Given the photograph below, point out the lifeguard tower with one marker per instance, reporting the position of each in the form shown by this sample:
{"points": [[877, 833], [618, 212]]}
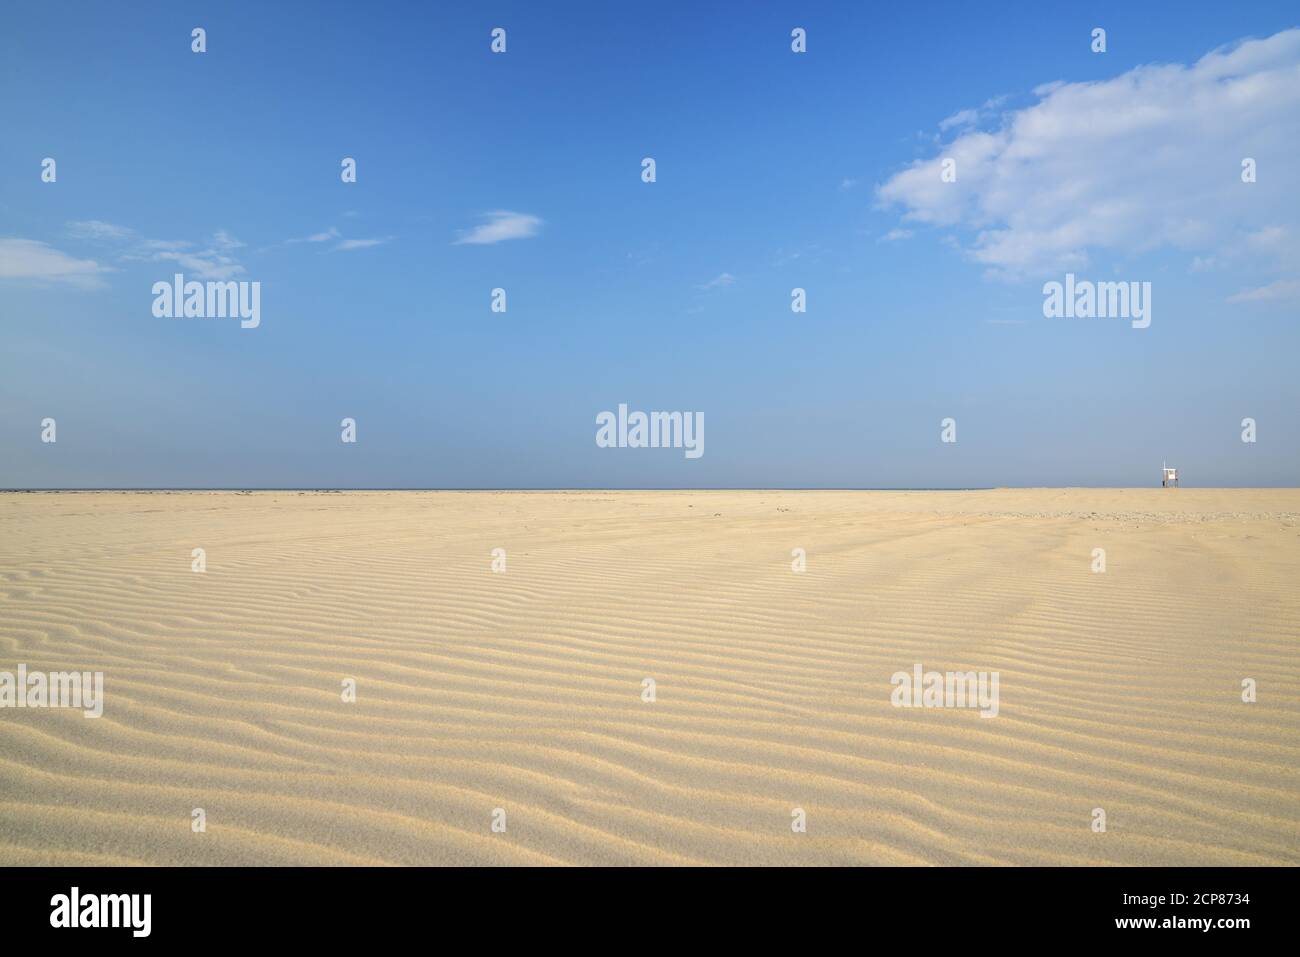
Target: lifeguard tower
{"points": [[1168, 477]]}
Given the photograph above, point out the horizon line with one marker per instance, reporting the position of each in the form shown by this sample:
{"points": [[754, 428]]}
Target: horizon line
{"points": [[605, 488]]}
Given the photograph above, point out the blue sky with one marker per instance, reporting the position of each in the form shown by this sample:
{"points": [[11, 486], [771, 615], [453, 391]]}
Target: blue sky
{"points": [[774, 170]]}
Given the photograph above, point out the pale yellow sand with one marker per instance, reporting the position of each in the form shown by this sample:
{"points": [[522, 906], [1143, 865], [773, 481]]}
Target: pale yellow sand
{"points": [[522, 690]]}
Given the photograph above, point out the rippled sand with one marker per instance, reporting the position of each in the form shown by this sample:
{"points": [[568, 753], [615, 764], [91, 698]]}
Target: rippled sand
{"points": [[523, 690]]}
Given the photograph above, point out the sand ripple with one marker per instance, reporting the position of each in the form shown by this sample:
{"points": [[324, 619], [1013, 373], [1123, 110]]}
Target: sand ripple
{"points": [[522, 690]]}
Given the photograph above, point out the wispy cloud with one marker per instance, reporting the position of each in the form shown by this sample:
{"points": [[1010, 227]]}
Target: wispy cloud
{"points": [[331, 234], [960, 118], [967, 118], [1034, 199], [211, 262], [811, 252], [204, 263], [361, 243], [33, 259], [95, 229], [500, 225], [212, 259], [1284, 290], [720, 281], [321, 237], [894, 235]]}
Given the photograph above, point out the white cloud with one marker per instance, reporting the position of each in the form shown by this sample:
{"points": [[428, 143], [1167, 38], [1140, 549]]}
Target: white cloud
{"points": [[721, 280], [501, 224], [811, 252], [205, 263], [32, 259], [965, 118], [223, 240], [1284, 290], [1149, 159], [894, 235], [331, 234], [212, 261], [153, 245], [321, 237], [95, 229], [960, 118], [361, 243], [848, 183]]}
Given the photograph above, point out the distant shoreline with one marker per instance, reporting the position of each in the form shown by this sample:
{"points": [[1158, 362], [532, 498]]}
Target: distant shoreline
{"points": [[558, 488], [628, 488]]}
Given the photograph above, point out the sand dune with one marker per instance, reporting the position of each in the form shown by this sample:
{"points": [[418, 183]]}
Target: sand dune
{"points": [[522, 690]]}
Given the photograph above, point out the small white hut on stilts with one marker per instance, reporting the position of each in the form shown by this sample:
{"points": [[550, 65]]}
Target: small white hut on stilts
{"points": [[1169, 476]]}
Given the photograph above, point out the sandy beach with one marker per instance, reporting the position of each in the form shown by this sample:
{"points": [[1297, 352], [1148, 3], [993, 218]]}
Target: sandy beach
{"points": [[517, 696]]}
